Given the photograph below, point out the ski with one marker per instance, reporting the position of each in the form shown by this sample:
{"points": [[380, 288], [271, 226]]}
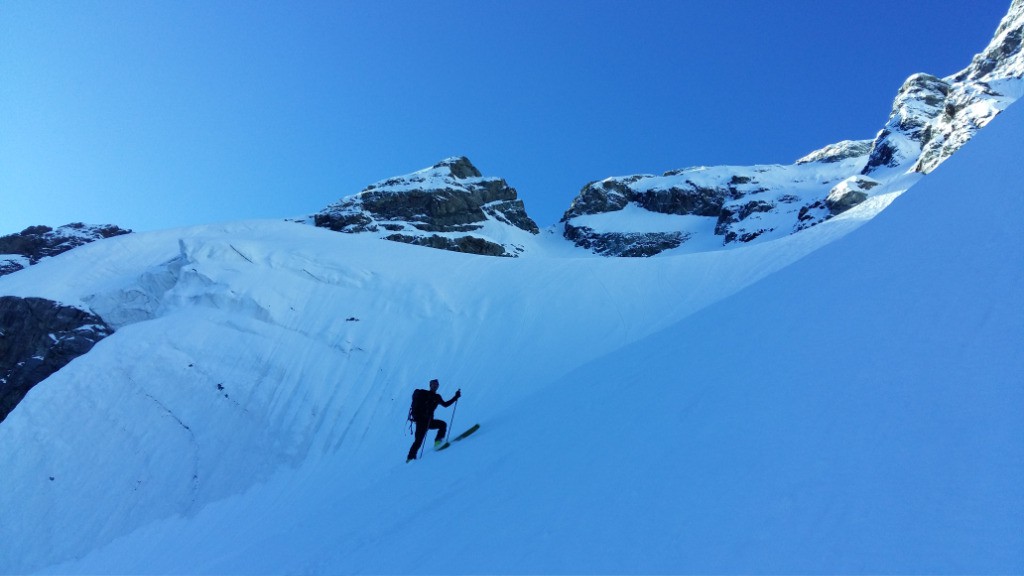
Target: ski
{"points": [[474, 428]]}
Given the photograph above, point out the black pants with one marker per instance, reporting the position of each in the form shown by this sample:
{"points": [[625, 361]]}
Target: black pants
{"points": [[421, 432]]}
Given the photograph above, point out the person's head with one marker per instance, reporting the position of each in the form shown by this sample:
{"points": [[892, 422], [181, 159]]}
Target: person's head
{"points": [[434, 384]]}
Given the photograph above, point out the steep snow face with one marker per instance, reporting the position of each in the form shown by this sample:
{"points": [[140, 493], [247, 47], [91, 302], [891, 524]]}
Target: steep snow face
{"points": [[449, 205], [931, 118], [248, 350], [858, 411]]}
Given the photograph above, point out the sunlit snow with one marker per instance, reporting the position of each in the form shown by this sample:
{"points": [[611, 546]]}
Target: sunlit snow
{"points": [[843, 399]]}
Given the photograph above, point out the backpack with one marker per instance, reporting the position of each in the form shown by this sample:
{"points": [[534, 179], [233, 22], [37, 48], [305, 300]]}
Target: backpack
{"points": [[420, 409]]}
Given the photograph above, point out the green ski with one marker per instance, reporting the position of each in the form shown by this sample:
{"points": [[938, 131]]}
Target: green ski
{"points": [[474, 428]]}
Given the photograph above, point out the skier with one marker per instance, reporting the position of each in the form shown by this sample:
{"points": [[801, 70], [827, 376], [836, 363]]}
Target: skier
{"points": [[424, 402]]}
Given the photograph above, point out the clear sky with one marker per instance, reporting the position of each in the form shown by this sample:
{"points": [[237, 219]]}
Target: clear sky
{"points": [[154, 115]]}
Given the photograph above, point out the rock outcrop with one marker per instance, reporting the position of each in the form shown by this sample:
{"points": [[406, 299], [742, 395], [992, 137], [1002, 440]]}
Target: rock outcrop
{"points": [[979, 92], [626, 244], [37, 338], [838, 152], [450, 205], [849, 193], [919, 101], [707, 206], [28, 247]]}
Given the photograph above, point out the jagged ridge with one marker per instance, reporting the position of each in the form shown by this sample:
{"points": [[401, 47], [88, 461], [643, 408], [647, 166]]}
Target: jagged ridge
{"points": [[931, 119]]}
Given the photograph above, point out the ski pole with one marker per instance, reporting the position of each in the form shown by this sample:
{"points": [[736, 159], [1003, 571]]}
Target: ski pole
{"points": [[448, 435]]}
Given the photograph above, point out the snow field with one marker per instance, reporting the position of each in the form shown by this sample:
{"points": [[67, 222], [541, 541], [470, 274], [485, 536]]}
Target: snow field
{"points": [[751, 410]]}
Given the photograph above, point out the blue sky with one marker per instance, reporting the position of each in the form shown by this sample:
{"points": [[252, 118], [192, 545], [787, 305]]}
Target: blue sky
{"points": [[153, 115]]}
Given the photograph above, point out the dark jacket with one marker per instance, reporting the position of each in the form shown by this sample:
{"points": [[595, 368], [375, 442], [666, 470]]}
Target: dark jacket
{"points": [[424, 402]]}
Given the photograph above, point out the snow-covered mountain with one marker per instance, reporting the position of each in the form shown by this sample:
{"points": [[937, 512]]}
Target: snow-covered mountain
{"points": [[705, 208], [450, 206], [232, 398], [453, 207], [855, 410]]}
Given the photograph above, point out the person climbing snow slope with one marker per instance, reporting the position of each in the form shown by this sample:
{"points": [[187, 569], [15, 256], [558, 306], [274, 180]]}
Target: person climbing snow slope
{"points": [[421, 413]]}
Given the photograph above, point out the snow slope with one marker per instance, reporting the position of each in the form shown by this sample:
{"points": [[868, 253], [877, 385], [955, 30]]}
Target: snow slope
{"points": [[250, 348], [857, 410]]}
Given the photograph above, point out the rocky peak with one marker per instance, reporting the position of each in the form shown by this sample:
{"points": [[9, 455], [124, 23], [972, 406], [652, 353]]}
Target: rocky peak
{"points": [[918, 102], [993, 81], [1002, 58], [450, 205], [932, 118], [459, 167]]}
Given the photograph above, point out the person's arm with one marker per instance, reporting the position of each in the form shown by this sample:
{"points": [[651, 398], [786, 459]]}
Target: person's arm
{"points": [[454, 399]]}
